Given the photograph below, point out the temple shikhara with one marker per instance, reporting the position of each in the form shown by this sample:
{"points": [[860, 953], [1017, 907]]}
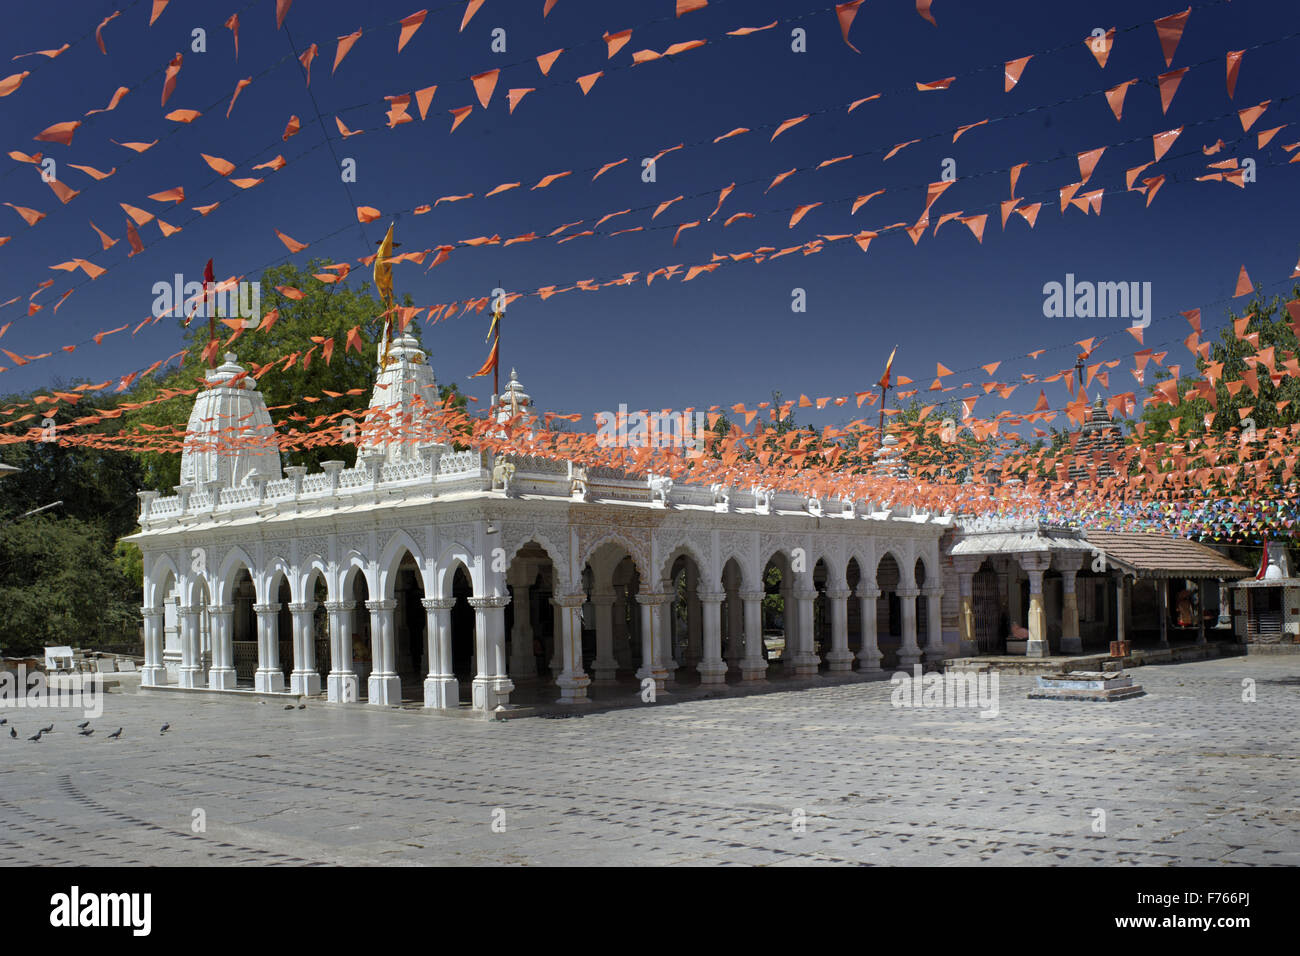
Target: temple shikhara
{"points": [[455, 576]]}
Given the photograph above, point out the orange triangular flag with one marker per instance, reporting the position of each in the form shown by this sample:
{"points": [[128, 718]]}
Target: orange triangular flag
{"points": [[1244, 285], [484, 84], [1115, 97], [547, 60], [409, 26], [1234, 66], [1169, 86], [1012, 71], [845, 12], [1170, 31]]}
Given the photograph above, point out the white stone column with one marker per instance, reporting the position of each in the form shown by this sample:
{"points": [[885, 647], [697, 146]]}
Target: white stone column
{"points": [[805, 659], [557, 638], [933, 624], [304, 678], [1071, 640], [839, 658], [754, 665], [652, 638], [966, 567], [694, 628], [268, 679], [341, 686], [190, 673], [605, 665], [869, 652], [384, 686], [790, 622], [667, 641], [1035, 565], [221, 676], [712, 668], [735, 626], [154, 674], [441, 688], [491, 688], [623, 652], [909, 654], [523, 662], [573, 680], [1121, 608]]}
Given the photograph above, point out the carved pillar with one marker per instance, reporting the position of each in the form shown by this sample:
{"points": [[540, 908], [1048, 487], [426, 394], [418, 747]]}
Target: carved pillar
{"points": [[341, 683], [523, 662], [840, 658], [934, 624], [154, 673], [789, 622], [869, 653], [557, 640], [1069, 565], [667, 642], [967, 645], [491, 688], [304, 678], [1121, 607], [190, 674], [1035, 565], [221, 676], [805, 660], [384, 686], [652, 638], [441, 688], [623, 653], [909, 654], [754, 664], [694, 629], [712, 668], [606, 664], [269, 678], [735, 623], [573, 680], [1225, 607]]}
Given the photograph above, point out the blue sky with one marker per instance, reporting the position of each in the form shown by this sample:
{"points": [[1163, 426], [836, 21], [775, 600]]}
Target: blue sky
{"points": [[724, 337]]}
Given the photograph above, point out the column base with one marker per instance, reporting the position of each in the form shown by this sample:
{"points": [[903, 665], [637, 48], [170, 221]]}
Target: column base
{"points": [[342, 687], [712, 672], [909, 657], [657, 674], [190, 677], [869, 660], [384, 689], [753, 670], [840, 660], [934, 655], [268, 681], [523, 666], [804, 665], [1071, 645], [155, 676], [442, 692], [604, 671], [573, 689], [967, 649], [1037, 649], [306, 683], [489, 693], [222, 678]]}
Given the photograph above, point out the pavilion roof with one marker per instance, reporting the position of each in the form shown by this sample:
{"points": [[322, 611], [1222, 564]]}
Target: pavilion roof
{"points": [[1148, 555]]}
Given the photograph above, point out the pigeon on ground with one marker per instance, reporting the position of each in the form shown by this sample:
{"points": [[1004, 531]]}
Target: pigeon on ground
{"points": [[48, 730], [165, 728], [288, 706], [3, 721], [117, 733], [83, 725], [302, 706], [13, 733], [87, 732], [37, 738]]}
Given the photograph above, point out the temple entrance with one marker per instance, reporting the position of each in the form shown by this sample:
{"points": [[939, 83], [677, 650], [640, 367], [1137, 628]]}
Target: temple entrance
{"points": [[462, 633], [411, 625], [987, 604]]}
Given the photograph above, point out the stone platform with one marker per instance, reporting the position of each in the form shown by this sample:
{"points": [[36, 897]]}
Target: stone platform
{"points": [[1086, 685]]}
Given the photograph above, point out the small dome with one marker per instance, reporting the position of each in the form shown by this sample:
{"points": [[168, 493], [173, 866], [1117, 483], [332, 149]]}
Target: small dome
{"points": [[230, 437], [400, 418]]}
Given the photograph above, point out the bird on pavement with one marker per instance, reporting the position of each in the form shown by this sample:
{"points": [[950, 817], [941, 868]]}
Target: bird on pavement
{"points": [[3, 721], [87, 732], [48, 730], [83, 725], [165, 728], [37, 738], [288, 706], [13, 733], [302, 706], [117, 733]]}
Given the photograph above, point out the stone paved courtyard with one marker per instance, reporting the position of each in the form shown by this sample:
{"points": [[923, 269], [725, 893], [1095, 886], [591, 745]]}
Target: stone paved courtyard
{"points": [[1189, 774]]}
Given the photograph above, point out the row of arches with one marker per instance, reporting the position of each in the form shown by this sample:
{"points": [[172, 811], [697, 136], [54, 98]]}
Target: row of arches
{"points": [[464, 628]]}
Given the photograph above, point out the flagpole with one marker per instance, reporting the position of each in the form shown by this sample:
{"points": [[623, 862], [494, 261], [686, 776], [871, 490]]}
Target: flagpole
{"points": [[499, 308], [884, 393]]}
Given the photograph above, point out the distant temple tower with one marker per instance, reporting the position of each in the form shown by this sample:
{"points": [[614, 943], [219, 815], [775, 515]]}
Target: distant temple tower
{"points": [[230, 438], [514, 400], [402, 403], [1098, 437]]}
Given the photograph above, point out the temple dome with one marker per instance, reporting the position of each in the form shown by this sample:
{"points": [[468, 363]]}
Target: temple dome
{"points": [[230, 438], [514, 400], [400, 417]]}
